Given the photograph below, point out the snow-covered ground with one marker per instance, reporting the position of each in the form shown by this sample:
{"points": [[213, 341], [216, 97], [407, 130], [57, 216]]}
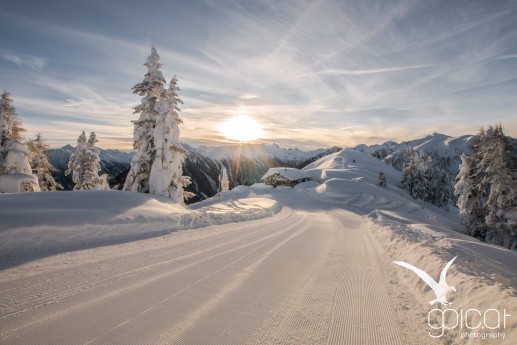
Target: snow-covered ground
{"points": [[262, 265], [36, 225]]}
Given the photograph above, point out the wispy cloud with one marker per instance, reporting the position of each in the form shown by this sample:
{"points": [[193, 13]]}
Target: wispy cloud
{"points": [[509, 56], [25, 60], [369, 71], [314, 74]]}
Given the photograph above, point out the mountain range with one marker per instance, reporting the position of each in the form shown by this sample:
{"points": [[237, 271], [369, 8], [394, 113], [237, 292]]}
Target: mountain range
{"points": [[245, 164], [445, 150]]}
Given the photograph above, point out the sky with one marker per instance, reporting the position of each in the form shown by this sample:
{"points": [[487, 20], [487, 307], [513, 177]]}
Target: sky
{"points": [[311, 73]]}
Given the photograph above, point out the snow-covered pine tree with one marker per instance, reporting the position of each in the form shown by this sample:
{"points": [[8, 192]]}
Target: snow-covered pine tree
{"points": [[442, 189], [10, 126], [438, 190], [409, 171], [500, 170], [76, 163], [470, 197], [84, 165], [152, 88], [13, 152], [40, 165], [414, 180], [224, 183], [101, 182], [382, 179], [166, 177], [425, 180]]}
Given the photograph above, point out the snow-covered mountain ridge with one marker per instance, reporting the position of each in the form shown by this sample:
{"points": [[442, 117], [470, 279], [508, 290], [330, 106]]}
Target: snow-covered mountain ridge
{"points": [[444, 145], [245, 164], [292, 156]]}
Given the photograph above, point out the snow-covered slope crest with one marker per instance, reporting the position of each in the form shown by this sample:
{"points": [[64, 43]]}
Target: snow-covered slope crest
{"points": [[351, 163], [40, 224]]}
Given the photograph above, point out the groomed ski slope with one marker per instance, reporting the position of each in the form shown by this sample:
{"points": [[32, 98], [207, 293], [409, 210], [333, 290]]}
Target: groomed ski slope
{"points": [[299, 277], [316, 268]]}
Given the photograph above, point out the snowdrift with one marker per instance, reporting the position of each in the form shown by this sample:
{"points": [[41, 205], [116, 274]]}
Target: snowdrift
{"points": [[18, 183], [73, 208], [36, 225]]}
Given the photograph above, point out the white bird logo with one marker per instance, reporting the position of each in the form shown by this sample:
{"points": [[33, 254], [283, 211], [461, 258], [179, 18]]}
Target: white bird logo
{"points": [[440, 289]]}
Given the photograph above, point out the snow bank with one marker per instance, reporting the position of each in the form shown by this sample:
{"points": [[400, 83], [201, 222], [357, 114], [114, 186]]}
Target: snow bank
{"points": [[480, 271], [35, 225], [484, 275], [18, 183], [71, 208]]}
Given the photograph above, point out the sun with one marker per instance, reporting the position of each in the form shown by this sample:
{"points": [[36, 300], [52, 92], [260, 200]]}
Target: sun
{"points": [[241, 128]]}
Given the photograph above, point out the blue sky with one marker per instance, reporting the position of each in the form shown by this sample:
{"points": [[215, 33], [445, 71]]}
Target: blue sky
{"points": [[314, 73]]}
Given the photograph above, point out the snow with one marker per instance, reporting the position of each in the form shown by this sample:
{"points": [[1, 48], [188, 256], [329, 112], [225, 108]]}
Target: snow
{"points": [[39, 224], [292, 174], [349, 164], [13, 183], [304, 265]]}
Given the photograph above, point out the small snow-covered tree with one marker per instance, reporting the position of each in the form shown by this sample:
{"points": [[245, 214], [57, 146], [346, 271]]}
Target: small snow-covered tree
{"points": [[76, 163], [13, 152], [100, 181], [40, 165], [413, 180], [84, 165], [166, 177], [224, 183], [10, 126], [152, 89], [382, 179]]}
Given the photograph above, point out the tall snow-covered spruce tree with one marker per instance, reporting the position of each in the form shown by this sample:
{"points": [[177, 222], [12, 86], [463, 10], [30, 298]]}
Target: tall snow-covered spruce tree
{"points": [[38, 160], [166, 177], [157, 165], [487, 188], [499, 165], [152, 89], [84, 165]]}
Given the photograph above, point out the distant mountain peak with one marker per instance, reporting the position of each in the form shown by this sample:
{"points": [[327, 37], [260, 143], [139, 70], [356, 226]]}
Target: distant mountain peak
{"points": [[438, 135]]}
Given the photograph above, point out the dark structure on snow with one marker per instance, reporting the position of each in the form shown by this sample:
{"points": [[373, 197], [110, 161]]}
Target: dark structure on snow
{"points": [[285, 177]]}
